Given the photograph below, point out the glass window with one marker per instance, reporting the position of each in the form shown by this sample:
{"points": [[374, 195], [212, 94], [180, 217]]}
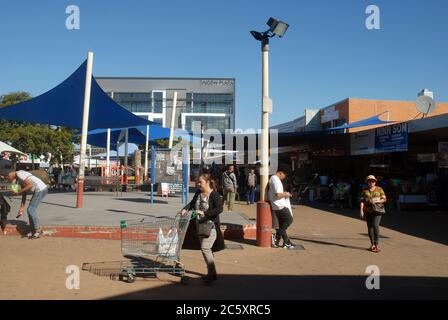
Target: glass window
{"points": [[209, 103], [134, 102], [158, 120], [189, 102], [219, 123], [158, 102]]}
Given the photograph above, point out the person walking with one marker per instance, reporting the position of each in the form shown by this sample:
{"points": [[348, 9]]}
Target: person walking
{"points": [[281, 207], [207, 203], [230, 186], [29, 182], [371, 210], [4, 210], [251, 185]]}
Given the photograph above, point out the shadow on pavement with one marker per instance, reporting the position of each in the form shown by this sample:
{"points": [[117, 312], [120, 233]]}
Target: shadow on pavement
{"points": [[328, 243], [422, 224], [294, 287], [140, 200], [21, 226], [59, 205], [133, 213]]}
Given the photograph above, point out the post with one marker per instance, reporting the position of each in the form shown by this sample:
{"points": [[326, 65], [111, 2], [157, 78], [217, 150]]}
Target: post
{"points": [[186, 165], [173, 117], [108, 154], [85, 127], [264, 170], [145, 174], [153, 172], [90, 157], [126, 157], [264, 217]]}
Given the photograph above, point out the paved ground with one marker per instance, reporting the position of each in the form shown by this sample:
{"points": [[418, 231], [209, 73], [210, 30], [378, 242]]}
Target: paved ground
{"points": [[107, 209], [413, 263]]}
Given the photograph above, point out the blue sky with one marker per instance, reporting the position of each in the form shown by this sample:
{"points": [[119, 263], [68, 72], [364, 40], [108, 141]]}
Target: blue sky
{"points": [[326, 55]]}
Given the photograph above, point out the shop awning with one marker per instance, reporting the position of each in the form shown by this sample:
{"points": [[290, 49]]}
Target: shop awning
{"points": [[372, 121], [4, 147], [63, 106]]}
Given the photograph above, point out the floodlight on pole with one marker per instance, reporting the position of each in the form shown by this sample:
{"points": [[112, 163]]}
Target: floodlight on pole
{"points": [[264, 223], [277, 27]]}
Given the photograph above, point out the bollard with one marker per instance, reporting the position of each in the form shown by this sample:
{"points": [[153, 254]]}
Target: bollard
{"points": [[264, 224]]}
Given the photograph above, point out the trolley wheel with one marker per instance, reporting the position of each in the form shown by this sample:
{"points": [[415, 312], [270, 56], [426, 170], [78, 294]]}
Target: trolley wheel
{"points": [[130, 278], [184, 280]]}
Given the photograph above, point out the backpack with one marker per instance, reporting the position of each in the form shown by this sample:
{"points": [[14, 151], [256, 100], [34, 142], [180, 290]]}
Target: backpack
{"points": [[42, 175]]}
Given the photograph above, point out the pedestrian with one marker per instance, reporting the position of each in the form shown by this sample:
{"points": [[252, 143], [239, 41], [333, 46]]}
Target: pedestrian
{"points": [[371, 209], [207, 203], [230, 186], [251, 185], [281, 207], [29, 182], [4, 210]]}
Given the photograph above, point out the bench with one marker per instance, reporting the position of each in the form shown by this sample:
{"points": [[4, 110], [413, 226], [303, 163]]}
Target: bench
{"points": [[96, 183]]}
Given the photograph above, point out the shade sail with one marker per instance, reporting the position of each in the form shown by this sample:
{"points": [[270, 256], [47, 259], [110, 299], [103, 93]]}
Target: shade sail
{"points": [[98, 137], [372, 121], [63, 106]]}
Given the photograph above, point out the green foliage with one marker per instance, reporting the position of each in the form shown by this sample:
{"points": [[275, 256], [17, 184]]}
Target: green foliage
{"points": [[13, 98]]}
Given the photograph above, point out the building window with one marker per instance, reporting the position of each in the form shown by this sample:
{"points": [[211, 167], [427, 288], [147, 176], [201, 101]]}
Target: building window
{"points": [[158, 101], [209, 103], [219, 123], [134, 102]]}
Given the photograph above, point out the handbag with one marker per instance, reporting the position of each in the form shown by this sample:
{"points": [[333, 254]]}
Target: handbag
{"points": [[204, 228], [378, 208]]}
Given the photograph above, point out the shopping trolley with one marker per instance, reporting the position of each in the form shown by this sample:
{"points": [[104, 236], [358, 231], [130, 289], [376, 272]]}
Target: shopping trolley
{"points": [[154, 244]]}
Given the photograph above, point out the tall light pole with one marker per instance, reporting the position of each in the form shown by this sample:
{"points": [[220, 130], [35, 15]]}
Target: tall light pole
{"points": [[276, 28], [264, 222]]}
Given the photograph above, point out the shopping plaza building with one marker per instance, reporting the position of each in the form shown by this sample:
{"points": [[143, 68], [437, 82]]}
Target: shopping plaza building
{"points": [[412, 148], [210, 101]]}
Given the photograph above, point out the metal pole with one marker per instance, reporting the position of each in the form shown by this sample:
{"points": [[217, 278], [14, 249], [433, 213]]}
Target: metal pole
{"points": [[126, 158], [145, 174], [153, 172], [85, 127], [108, 146], [173, 117], [186, 164], [264, 170], [90, 157], [108, 154]]}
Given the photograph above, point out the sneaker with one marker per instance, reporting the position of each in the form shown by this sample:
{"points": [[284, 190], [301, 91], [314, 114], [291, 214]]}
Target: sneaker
{"points": [[289, 245], [36, 235], [208, 279], [275, 242]]}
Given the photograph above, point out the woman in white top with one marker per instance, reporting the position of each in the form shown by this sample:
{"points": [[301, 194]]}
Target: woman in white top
{"points": [[28, 182]]}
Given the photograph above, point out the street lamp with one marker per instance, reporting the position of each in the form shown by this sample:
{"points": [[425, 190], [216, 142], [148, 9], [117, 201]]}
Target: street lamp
{"points": [[276, 28], [264, 222]]}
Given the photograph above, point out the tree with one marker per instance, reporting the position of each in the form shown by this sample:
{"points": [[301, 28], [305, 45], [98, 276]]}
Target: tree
{"points": [[13, 98]]}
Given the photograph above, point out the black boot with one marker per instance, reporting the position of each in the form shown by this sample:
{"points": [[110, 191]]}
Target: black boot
{"points": [[210, 278]]}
